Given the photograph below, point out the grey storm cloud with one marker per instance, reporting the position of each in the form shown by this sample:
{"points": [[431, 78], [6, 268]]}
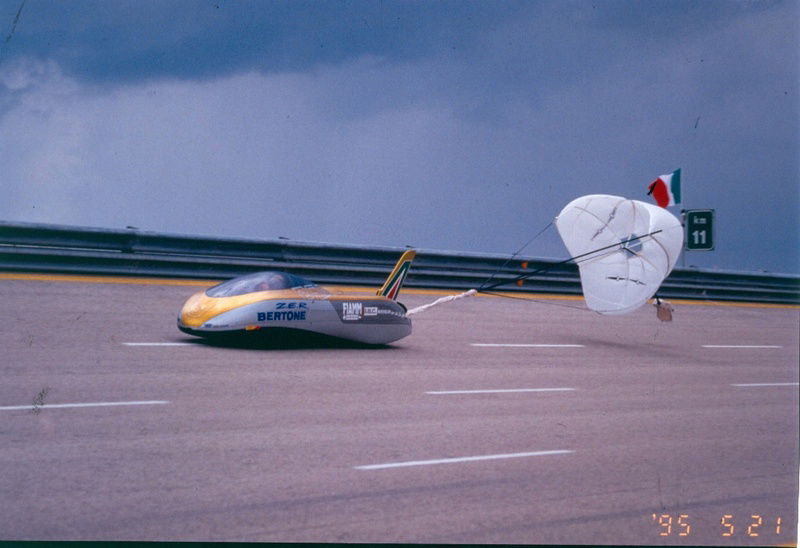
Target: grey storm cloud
{"points": [[462, 126]]}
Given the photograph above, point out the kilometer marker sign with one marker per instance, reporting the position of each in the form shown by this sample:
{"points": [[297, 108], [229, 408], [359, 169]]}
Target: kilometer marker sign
{"points": [[699, 229]]}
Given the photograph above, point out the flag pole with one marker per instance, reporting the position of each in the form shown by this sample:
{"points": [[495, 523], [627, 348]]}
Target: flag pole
{"points": [[683, 225]]}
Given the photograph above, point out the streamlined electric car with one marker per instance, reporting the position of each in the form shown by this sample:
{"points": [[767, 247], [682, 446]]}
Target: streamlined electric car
{"points": [[274, 302]]}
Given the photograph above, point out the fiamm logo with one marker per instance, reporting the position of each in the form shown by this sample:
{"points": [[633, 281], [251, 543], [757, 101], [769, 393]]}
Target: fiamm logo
{"points": [[352, 311]]}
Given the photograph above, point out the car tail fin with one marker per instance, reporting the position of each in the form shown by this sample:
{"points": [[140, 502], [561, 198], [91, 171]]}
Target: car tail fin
{"points": [[391, 288]]}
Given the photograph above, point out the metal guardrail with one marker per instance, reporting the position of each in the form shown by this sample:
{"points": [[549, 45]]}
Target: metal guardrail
{"points": [[53, 248]]}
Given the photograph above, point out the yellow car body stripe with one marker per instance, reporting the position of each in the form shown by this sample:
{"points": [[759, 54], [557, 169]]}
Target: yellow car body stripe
{"points": [[200, 307]]}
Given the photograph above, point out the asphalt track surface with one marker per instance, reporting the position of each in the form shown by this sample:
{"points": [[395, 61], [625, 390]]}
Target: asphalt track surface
{"points": [[657, 431]]}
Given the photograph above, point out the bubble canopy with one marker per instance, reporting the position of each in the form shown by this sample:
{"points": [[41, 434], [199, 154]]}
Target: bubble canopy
{"points": [[258, 281]]}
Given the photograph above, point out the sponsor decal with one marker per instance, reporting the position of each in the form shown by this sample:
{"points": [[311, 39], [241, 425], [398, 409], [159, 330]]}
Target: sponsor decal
{"points": [[290, 306], [283, 316], [352, 311], [369, 312], [285, 312]]}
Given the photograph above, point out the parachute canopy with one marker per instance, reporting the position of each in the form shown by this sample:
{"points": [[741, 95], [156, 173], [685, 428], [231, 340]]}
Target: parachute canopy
{"points": [[624, 249]]}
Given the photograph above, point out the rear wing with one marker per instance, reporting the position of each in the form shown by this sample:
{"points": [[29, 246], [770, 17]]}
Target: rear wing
{"points": [[391, 288]]}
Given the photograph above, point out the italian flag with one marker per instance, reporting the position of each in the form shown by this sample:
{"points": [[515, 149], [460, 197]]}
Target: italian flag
{"points": [[667, 189]]}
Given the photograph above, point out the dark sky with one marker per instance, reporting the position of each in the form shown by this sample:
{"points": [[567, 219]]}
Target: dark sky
{"points": [[463, 126]]}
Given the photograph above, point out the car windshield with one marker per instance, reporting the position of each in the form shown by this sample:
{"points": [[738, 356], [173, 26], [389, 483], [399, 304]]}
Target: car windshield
{"points": [[258, 281]]}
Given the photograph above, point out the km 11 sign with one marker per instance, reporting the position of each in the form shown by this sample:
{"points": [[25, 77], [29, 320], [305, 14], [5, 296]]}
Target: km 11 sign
{"points": [[699, 229]]}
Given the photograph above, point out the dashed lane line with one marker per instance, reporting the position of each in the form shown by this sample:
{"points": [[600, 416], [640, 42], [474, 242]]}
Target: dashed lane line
{"points": [[762, 384], [461, 459], [158, 344], [742, 346], [76, 405], [499, 391], [526, 345], [555, 345]]}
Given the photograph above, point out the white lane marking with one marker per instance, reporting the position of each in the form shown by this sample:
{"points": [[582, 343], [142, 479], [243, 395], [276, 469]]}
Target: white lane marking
{"points": [[754, 384], [500, 391], [68, 405], [157, 344], [514, 345], [741, 346], [461, 459]]}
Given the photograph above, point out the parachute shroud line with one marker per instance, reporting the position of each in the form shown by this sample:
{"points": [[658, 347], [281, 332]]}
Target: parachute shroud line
{"points": [[442, 300]]}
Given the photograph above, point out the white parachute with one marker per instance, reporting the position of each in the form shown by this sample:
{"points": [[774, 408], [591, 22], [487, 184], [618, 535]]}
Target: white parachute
{"points": [[624, 249]]}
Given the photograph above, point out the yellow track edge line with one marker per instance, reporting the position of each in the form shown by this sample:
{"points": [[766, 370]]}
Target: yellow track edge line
{"points": [[91, 278], [98, 279]]}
